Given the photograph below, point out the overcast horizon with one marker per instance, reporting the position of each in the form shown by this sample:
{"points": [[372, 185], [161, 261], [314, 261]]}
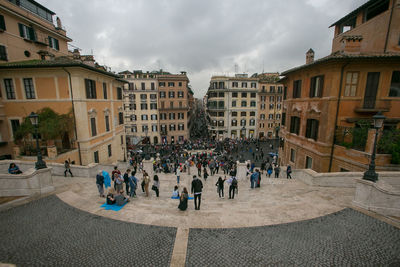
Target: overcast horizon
{"points": [[203, 38]]}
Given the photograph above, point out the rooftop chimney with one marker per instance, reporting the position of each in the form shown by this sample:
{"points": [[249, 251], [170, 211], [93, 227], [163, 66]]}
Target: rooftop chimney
{"points": [[310, 56], [76, 54]]}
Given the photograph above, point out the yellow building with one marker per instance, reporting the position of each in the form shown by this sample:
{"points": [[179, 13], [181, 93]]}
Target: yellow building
{"points": [[27, 32], [63, 84]]}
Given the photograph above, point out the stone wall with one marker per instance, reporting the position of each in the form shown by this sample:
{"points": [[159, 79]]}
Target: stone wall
{"points": [[29, 183]]}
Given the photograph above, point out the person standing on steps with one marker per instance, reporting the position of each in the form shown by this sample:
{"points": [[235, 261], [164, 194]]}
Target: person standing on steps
{"points": [[233, 185], [126, 180], [288, 172], [178, 174], [197, 187], [277, 170], [100, 183], [220, 186]]}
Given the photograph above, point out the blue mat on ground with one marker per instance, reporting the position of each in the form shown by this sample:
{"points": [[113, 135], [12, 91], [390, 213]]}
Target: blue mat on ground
{"points": [[113, 207], [179, 197]]}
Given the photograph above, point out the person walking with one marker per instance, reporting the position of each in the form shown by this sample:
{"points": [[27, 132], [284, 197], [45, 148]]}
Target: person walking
{"points": [[100, 183], [198, 168], [253, 179], [113, 176], [178, 174], [220, 186], [197, 187], [133, 185], [259, 178], [233, 185], [67, 166], [156, 185], [146, 182], [269, 170], [288, 172], [277, 170], [126, 180], [205, 174]]}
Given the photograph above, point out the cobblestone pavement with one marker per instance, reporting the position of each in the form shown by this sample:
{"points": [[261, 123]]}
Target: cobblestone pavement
{"points": [[48, 232], [345, 238]]}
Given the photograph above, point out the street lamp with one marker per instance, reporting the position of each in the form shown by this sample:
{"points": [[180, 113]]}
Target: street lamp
{"points": [[40, 164], [370, 174]]}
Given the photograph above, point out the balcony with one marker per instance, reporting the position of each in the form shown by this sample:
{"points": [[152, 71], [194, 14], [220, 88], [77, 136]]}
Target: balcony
{"points": [[373, 106], [216, 108], [174, 108]]}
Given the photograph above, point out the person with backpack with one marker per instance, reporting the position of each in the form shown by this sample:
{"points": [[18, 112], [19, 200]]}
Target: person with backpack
{"points": [[133, 184], [254, 179], [288, 172], [269, 170], [233, 185]]}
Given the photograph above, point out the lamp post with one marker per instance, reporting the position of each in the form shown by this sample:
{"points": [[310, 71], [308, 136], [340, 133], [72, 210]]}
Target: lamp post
{"points": [[40, 164], [370, 174]]}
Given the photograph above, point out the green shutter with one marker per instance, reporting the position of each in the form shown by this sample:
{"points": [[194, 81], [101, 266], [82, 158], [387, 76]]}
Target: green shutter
{"points": [[49, 41], [21, 30], [32, 35], [57, 47], [2, 23]]}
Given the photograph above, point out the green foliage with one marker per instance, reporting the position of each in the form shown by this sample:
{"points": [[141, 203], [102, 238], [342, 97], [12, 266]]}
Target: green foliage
{"points": [[51, 125], [389, 143]]}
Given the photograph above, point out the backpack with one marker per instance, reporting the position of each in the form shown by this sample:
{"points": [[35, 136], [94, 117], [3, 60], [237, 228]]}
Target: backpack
{"points": [[234, 182]]}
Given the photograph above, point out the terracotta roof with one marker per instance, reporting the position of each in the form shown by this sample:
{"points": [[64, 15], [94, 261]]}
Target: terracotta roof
{"points": [[56, 63], [339, 56]]}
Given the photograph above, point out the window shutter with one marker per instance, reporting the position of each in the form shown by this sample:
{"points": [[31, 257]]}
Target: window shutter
{"points": [[57, 46], [21, 30], [312, 87], [32, 35], [87, 88], [2, 23], [3, 52], [49, 38], [308, 128], [316, 129], [321, 86]]}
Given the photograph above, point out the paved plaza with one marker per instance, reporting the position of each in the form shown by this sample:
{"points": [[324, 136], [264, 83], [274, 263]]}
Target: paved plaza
{"points": [[285, 222]]}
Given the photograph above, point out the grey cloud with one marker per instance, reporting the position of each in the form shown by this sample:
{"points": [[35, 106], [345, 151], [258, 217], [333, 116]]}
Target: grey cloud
{"points": [[202, 37]]}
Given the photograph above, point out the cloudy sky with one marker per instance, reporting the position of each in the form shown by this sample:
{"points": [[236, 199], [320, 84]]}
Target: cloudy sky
{"points": [[202, 37]]}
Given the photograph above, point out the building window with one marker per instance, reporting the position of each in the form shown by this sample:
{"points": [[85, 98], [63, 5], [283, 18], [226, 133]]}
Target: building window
{"points": [[295, 125], [153, 106], [252, 113], [312, 129], [172, 116], [14, 126], [153, 96], [181, 104], [152, 86], [395, 84], [143, 86], [181, 116], [26, 32], [244, 104], [53, 43], [316, 86], [161, 84], [90, 86], [278, 106], [180, 94], [254, 85], [280, 89], [252, 103], [181, 127], [234, 94], [234, 114], [252, 122], [270, 116], [143, 106], [262, 106], [351, 84], [180, 84], [234, 103], [262, 117], [131, 86], [171, 104], [244, 85], [279, 99], [292, 155], [244, 94], [297, 89], [243, 114], [96, 157], [283, 119], [93, 126], [271, 99], [271, 106], [162, 94], [3, 53], [171, 84], [107, 120], [133, 117], [172, 127], [154, 128], [120, 118], [109, 150], [163, 116], [9, 86], [119, 93], [284, 93], [2, 23], [234, 123], [132, 106], [143, 96], [105, 90], [171, 94], [242, 122], [134, 129], [145, 129], [29, 89], [153, 117], [221, 94], [144, 117], [235, 84], [253, 95], [308, 162]]}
